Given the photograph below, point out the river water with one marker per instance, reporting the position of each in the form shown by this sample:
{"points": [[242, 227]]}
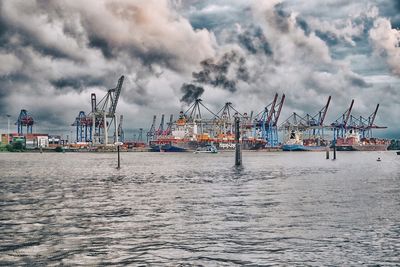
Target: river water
{"points": [[189, 209]]}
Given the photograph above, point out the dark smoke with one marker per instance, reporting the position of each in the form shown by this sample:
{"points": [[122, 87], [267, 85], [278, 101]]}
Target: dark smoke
{"points": [[215, 73], [254, 40], [281, 18], [191, 92]]}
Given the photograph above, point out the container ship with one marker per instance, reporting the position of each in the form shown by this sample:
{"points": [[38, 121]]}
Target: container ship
{"points": [[311, 126], [191, 131], [185, 145], [183, 136], [295, 142], [353, 142]]}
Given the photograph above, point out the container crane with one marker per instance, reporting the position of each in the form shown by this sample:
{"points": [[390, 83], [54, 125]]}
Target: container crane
{"points": [[316, 122], [365, 125], [312, 125], [140, 137], [168, 131], [105, 109], [24, 120], [83, 125], [266, 121], [194, 117], [152, 132], [278, 113], [224, 119], [340, 124], [160, 129]]}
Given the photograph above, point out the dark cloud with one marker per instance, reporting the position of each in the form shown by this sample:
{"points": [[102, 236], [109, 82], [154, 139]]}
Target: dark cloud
{"points": [[97, 42], [397, 4], [281, 18], [328, 37], [254, 40], [191, 92], [216, 73], [358, 82], [303, 25], [79, 83], [135, 92]]}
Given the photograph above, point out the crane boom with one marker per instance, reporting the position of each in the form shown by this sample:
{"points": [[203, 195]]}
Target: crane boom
{"points": [[272, 111], [324, 111], [373, 116], [160, 129], [117, 92], [278, 113], [347, 116]]}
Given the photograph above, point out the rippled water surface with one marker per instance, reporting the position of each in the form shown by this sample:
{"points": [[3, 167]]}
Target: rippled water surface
{"points": [[188, 209]]}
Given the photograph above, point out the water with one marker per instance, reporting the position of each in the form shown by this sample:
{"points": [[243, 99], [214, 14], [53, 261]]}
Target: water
{"points": [[188, 209]]}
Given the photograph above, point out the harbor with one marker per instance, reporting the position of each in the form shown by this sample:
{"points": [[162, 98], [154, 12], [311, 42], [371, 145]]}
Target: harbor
{"points": [[199, 133], [199, 127]]}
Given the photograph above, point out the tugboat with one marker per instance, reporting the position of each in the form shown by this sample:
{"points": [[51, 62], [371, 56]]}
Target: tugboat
{"points": [[206, 149]]}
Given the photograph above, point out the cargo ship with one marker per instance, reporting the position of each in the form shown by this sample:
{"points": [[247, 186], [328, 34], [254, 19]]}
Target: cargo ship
{"points": [[184, 136], [353, 142], [295, 142], [186, 145]]}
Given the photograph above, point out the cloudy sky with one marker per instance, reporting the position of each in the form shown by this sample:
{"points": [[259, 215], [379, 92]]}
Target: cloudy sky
{"points": [[54, 54]]}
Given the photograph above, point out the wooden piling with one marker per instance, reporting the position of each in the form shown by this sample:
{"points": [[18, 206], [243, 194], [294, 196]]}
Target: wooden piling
{"points": [[238, 151]]}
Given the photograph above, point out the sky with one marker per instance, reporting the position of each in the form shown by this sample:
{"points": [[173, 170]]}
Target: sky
{"points": [[54, 54]]}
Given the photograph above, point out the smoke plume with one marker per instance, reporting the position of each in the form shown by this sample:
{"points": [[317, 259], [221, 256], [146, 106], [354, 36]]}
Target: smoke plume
{"points": [[191, 92]]}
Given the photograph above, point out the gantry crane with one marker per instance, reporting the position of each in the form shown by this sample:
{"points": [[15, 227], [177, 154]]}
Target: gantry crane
{"points": [[83, 125], [160, 129], [266, 121], [168, 130], [103, 111], [365, 125], [152, 132], [340, 125], [24, 119]]}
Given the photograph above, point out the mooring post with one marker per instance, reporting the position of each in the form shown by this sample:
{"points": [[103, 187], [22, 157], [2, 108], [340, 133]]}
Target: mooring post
{"points": [[334, 149], [238, 152], [327, 152], [119, 158]]}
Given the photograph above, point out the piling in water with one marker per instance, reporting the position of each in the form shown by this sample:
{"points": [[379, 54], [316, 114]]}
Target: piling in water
{"points": [[334, 151], [119, 159], [238, 152]]}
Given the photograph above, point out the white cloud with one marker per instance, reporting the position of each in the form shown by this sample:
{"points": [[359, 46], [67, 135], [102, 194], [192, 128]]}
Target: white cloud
{"points": [[9, 64], [386, 42]]}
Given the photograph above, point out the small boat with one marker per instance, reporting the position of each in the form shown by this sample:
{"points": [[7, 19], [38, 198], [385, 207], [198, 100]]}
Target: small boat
{"points": [[206, 149]]}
